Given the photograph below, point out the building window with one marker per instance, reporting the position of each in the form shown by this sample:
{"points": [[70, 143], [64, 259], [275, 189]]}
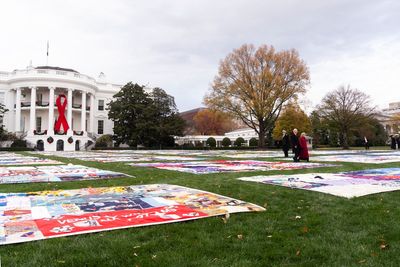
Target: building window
{"points": [[38, 124], [101, 105], [100, 126]]}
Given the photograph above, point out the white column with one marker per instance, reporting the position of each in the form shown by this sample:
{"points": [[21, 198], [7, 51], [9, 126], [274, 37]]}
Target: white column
{"points": [[83, 112], [91, 114], [32, 113], [18, 110], [69, 111], [50, 129]]}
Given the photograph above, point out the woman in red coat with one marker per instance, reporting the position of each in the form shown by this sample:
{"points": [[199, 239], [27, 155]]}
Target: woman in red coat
{"points": [[303, 148]]}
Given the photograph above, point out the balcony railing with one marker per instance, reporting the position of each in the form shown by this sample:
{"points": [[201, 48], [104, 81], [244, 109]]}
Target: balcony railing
{"points": [[78, 132], [26, 104], [73, 75], [39, 132], [42, 104]]}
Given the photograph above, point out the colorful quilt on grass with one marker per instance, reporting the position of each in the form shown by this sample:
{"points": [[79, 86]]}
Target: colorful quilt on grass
{"points": [[346, 184], [17, 159], [41, 215], [375, 158], [216, 166], [339, 152], [107, 157], [270, 154], [59, 173]]}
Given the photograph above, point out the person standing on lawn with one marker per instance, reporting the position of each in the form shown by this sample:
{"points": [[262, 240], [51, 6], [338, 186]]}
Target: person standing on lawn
{"points": [[294, 140], [366, 143], [303, 148], [392, 141], [285, 143]]}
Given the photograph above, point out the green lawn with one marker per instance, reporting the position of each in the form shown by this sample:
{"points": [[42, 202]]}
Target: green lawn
{"points": [[332, 231]]}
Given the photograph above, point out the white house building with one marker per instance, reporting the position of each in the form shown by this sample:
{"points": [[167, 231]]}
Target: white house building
{"points": [[245, 133], [36, 96], [386, 118]]}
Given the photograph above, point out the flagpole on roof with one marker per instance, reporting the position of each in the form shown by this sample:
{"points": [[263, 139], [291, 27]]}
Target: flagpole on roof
{"points": [[47, 54]]}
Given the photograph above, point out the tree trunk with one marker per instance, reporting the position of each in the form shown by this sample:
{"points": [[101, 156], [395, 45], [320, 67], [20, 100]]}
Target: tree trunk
{"points": [[261, 135], [345, 141]]}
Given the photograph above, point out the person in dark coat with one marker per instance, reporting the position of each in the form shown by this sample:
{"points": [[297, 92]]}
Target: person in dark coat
{"points": [[294, 140], [397, 141], [392, 141], [303, 155], [285, 143], [366, 143]]}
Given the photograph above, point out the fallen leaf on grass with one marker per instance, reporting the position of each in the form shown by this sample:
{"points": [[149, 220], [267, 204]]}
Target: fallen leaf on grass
{"points": [[265, 205], [134, 254], [297, 217], [153, 256], [240, 237], [269, 236], [304, 229], [362, 261], [384, 246], [298, 253], [136, 247], [226, 217]]}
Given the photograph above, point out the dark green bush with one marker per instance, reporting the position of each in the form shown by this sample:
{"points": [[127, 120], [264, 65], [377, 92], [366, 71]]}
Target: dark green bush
{"points": [[211, 142], [253, 142], [19, 143], [104, 141], [239, 142], [226, 142]]}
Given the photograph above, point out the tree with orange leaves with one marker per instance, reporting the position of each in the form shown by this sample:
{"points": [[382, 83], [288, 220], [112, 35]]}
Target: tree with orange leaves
{"points": [[254, 84], [209, 122], [292, 116]]}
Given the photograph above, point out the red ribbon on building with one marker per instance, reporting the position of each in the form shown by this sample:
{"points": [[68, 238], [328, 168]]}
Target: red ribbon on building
{"points": [[61, 106]]}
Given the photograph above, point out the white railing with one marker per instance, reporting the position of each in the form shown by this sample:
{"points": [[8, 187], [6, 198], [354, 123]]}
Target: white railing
{"points": [[40, 72]]}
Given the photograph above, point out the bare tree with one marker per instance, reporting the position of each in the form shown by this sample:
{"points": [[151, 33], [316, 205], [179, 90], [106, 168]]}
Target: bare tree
{"points": [[346, 109], [254, 84]]}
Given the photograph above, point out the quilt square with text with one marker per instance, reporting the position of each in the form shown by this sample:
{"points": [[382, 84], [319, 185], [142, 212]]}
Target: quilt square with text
{"points": [[47, 214]]}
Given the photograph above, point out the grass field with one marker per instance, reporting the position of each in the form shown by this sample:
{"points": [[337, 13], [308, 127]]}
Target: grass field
{"points": [[331, 231]]}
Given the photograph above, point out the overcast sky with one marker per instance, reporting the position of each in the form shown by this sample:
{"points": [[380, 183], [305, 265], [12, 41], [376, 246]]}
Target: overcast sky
{"points": [[177, 44]]}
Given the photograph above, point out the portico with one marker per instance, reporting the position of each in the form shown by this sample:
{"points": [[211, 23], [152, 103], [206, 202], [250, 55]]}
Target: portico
{"points": [[31, 98], [29, 106]]}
